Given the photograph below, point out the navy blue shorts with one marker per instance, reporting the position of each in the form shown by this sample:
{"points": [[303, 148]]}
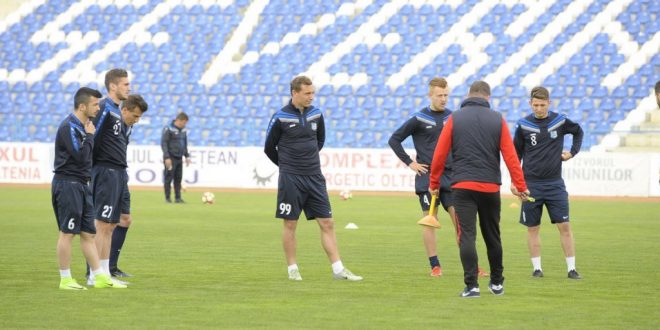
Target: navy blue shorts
{"points": [[73, 206], [111, 195], [422, 191], [297, 193], [553, 195]]}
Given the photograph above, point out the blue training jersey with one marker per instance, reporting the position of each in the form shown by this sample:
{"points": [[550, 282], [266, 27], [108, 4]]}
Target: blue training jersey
{"points": [[540, 142], [294, 139], [425, 127], [73, 151], [111, 140]]}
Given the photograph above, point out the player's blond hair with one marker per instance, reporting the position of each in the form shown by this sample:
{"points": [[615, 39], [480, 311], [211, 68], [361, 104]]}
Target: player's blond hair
{"points": [[438, 82]]}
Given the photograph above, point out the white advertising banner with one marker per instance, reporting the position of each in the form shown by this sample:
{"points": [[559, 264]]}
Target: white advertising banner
{"points": [[365, 169], [607, 174], [654, 175], [588, 174], [221, 167], [248, 167], [601, 174], [26, 162]]}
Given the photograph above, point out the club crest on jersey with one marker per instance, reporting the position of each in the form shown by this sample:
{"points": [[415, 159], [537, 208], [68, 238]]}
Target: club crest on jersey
{"points": [[314, 126], [553, 134]]}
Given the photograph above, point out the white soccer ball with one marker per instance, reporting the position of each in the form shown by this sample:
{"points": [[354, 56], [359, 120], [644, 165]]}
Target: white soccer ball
{"points": [[345, 194], [208, 198]]}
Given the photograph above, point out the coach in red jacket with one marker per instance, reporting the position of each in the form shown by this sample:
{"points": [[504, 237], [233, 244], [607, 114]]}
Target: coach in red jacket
{"points": [[476, 135]]}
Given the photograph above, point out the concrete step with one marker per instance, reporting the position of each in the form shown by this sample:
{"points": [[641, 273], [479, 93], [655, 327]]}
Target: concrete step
{"points": [[651, 140], [634, 149], [654, 117], [650, 126]]}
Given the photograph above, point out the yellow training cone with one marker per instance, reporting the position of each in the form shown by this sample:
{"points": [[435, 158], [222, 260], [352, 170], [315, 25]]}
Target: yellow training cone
{"points": [[430, 219]]}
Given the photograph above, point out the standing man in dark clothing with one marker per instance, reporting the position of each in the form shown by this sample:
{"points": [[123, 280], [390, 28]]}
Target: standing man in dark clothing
{"points": [[425, 127], [657, 93], [71, 194], [174, 143], [110, 181], [112, 199], [476, 135], [539, 141], [295, 136]]}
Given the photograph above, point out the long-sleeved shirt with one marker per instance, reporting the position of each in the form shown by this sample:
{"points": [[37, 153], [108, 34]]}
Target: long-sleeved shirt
{"points": [[424, 127], [73, 151], [476, 135], [540, 142], [294, 139], [111, 139], [174, 142]]}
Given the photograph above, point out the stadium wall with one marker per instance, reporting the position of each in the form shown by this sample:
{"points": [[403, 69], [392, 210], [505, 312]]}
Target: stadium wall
{"points": [[589, 174]]}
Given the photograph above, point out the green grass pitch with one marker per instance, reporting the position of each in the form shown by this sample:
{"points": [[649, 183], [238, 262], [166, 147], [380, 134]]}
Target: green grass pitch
{"points": [[222, 266]]}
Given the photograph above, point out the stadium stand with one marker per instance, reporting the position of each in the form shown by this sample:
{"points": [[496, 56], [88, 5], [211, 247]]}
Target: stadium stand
{"points": [[228, 63]]}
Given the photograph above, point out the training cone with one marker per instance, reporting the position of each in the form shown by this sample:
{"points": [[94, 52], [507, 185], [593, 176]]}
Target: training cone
{"points": [[351, 225], [430, 220]]}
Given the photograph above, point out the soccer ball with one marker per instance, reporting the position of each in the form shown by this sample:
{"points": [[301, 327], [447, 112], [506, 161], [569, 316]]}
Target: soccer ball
{"points": [[345, 194], [208, 198]]}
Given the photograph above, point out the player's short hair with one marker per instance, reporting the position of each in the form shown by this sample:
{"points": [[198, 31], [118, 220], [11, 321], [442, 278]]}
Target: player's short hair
{"points": [[182, 116], [657, 87], [479, 88], [83, 95], [135, 101], [438, 82], [112, 76], [539, 92], [297, 82]]}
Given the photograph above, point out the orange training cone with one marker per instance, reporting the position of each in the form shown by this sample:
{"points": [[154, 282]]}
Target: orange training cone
{"points": [[430, 219]]}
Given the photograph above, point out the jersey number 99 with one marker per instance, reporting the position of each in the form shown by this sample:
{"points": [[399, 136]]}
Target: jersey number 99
{"points": [[285, 208]]}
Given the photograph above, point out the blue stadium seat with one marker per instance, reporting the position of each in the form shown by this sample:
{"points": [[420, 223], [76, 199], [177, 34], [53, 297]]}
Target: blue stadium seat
{"points": [[173, 69]]}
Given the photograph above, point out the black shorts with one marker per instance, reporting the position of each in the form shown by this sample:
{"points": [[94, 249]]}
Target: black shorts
{"points": [[553, 195], [445, 199], [72, 203], [111, 195], [422, 191], [297, 193]]}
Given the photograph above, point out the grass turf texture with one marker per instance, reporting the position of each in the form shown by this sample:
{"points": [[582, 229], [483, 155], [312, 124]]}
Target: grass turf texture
{"points": [[222, 266]]}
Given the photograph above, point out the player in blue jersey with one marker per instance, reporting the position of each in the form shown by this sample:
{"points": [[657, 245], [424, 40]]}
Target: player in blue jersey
{"points": [[539, 141], [425, 127], [71, 194], [174, 143], [119, 112], [295, 136]]}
